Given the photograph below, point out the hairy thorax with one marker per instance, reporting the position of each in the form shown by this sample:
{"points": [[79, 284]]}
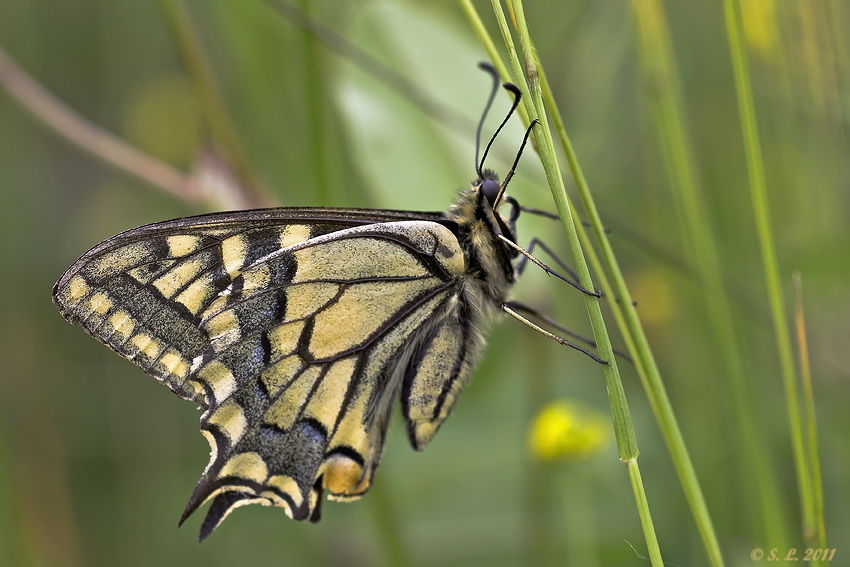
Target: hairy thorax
{"points": [[489, 274]]}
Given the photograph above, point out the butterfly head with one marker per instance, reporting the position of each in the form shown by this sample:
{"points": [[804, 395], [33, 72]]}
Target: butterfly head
{"points": [[490, 201]]}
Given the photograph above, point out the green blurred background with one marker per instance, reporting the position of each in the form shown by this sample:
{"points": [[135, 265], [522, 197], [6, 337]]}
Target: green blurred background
{"points": [[97, 460]]}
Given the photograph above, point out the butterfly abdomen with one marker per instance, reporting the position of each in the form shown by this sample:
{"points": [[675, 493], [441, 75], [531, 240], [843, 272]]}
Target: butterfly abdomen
{"points": [[445, 358]]}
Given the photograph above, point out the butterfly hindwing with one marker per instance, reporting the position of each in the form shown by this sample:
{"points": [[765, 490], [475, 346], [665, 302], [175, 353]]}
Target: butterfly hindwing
{"points": [[311, 371], [295, 332]]}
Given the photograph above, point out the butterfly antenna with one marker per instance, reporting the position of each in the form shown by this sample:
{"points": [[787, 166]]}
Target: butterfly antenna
{"points": [[517, 96], [516, 161], [490, 69]]}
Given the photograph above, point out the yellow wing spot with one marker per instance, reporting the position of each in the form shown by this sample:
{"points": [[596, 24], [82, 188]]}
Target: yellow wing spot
{"points": [[249, 466], [273, 498], [356, 495], [283, 412], [288, 486], [182, 244], [294, 234], [451, 398], [284, 339], [233, 252], [100, 303], [146, 344], [197, 294], [230, 419], [342, 474], [325, 404], [174, 279], [175, 364], [120, 259], [223, 329], [255, 278], [218, 377], [122, 323], [351, 431], [78, 287], [395, 338], [353, 258], [277, 375], [216, 306], [213, 447], [305, 299], [358, 313]]}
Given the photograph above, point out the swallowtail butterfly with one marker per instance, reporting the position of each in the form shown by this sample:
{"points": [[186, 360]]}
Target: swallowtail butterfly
{"points": [[296, 329]]}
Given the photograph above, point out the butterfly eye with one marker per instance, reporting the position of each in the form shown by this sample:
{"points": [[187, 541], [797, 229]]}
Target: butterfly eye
{"points": [[490, 189]]}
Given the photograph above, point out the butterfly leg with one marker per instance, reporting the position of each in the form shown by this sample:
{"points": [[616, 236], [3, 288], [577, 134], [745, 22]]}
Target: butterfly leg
{"points": [[517, 306], [520, 267], [511, 309], [523, 262], [554, 216]]}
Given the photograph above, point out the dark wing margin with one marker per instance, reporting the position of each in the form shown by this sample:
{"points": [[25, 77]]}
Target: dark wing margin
{"points": [[291, 330]]}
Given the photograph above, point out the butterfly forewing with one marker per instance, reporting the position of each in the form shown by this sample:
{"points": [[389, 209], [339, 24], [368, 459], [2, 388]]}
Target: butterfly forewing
{"points": [[295, 329]]}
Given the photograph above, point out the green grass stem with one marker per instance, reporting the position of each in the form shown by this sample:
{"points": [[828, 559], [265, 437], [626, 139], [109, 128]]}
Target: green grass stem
{"points": [[667, 104], [650, 375], [758, 192], [533, 102], [633, 335], [630, 328], [643, 509], [528, 79]]}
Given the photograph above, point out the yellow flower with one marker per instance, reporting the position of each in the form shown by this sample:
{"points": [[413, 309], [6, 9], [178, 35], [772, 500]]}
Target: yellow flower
{"points": [[568, 430]]}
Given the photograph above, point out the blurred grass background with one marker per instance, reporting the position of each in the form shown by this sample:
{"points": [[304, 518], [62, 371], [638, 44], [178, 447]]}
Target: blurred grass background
{"points": [[97, 460]]}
